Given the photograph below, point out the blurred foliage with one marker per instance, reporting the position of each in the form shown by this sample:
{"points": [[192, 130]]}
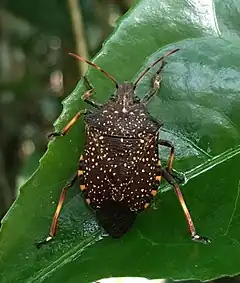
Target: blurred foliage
{"points": [[36, 73]]}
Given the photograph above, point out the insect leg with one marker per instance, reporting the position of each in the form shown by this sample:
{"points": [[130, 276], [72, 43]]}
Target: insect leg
{"points": [[53, 228], [170, 160], [156, 84], [69, 125], [194, 235], [86, 97]]}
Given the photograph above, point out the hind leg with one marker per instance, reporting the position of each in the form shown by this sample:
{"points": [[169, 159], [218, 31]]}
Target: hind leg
{"points": [[194, 235]]}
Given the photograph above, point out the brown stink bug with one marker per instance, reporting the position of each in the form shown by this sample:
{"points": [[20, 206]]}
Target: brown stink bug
{"points": [[120, 170]]}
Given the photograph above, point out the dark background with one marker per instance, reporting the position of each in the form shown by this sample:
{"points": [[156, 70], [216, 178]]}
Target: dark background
{"points": [[36, 74]]}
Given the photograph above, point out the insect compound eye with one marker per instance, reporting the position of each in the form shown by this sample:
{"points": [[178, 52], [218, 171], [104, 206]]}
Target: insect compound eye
{"points": [[115, 217]]}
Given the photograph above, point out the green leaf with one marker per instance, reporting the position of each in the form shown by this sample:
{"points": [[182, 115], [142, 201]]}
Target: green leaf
{"points": [[199, 103]]}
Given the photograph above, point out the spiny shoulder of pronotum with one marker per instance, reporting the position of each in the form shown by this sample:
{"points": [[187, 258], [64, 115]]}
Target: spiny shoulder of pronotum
{"points": [[122, 115], [110, 120]]}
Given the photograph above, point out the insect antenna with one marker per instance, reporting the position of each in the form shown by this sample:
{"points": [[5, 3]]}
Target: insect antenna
{"points": [[153, 64], [95, 66]]}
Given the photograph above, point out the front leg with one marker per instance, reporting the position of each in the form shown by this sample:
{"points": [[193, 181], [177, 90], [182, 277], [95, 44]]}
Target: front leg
{"points": [[86, 97], [156, 85]]}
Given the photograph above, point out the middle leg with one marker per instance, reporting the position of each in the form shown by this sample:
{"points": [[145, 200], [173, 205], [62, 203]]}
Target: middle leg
{"points": [[170, 160]]}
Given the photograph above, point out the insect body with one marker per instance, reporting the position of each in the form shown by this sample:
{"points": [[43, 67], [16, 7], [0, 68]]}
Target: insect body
{"points": [[120, 164], [120, 171]]}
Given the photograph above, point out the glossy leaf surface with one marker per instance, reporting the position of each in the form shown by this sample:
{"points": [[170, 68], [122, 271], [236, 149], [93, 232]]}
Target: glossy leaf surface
{"points": [[199, 103]]}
